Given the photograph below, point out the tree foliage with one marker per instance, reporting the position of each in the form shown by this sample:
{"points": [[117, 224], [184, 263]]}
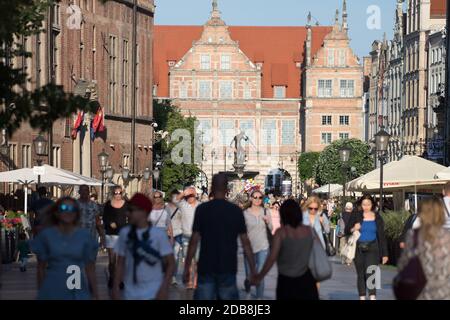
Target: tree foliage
{"points": [[169, 118], [43, 106], [306, 164], [329, 168]]}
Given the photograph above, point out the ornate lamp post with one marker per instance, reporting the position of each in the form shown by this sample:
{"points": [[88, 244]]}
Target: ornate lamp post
{"points": [[156, 175], [41, 150], [103, 164], [382, 143], [344, 155]]}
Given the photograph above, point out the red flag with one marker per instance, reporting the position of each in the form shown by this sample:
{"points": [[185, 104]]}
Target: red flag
{"points": [[77, 124], [98, 122]]}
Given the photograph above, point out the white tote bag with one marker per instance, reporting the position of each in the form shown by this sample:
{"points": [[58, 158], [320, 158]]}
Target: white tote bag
{"points": [[349, 250], [319, 265]]}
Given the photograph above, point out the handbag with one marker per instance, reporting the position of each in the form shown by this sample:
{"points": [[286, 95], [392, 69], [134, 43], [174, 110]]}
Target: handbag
{"points": [[318, 263], [411, 280], [329, 248], [268, 232]]}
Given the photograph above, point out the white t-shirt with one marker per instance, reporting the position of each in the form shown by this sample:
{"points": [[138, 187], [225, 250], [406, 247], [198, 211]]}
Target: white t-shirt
{"points": [[187, 216], [160, 218], [149, 278]]}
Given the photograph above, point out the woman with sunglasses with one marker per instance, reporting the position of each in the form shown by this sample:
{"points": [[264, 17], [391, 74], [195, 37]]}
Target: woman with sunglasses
{"points": [[258, 221], [312, 216], [65, 250], [114, 219], [160, 215]]}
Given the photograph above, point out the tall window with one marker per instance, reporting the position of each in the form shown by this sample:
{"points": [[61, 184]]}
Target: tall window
{"points": [[325, 88], [13, 154], [344, 120], [68, 128], [113, 73], [342, 57], [205, 62], [204, 89], [183, 90], [125, 78], [26, 156], [248, 127], [279, 92], [343, 135], [347, 88], [326, 138], [126, 160], [331, 62], [247, 91], [226, 90], [226, 131], [269, 133], [205, 131], [326, 120], [225, 62], [288, 132]]}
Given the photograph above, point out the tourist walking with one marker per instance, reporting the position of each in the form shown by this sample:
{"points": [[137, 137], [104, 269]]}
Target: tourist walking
{"points": [[40, 208], [177, 230], [187, 203], [312, 216], [114, 219], [259, 228], [90, 215], [342, 222], [431, 244], [160, 215], [62, 249], [371, 248], [145, 261], [217, 226], [291, 249], [23, 250]]}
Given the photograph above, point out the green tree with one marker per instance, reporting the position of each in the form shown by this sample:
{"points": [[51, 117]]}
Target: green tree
{"points": [[43, 106], [329, 167], [169, 119], [306, 164]]}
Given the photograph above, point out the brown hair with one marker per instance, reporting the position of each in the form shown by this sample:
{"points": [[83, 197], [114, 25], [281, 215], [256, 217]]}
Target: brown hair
{"points": [[249, 202], [432, 218], [52, 218]]}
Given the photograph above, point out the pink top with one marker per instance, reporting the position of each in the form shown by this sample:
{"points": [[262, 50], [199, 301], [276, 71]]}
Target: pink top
{"points": [[275, 220]]}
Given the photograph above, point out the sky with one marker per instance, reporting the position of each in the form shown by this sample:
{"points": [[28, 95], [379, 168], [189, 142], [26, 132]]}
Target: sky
{"points": [[287, 13]]}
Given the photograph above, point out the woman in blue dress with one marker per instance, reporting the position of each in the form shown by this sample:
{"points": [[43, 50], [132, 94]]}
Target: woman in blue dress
{"points": [[66, 256]]}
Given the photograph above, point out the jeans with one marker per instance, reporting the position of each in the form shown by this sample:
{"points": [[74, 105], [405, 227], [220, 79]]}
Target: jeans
{"points": [[260, 258], [178, 252], [193, 278], [23, 262], [216, 287], [363, 260]]}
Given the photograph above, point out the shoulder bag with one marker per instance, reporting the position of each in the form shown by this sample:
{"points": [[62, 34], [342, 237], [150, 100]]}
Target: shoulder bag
{"points": [[330, 250], [411, 280], [318, 264]]}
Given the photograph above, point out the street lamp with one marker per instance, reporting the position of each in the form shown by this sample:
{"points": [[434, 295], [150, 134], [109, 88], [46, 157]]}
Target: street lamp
{"points": [[125, 173], [41, 150], [381, 145], [103, 163], [344, 155], [156, 174], [213, 154]]}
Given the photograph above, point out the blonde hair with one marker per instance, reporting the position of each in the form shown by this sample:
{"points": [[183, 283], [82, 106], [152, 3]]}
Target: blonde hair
{"points": [[432, 218], [311, 200]]}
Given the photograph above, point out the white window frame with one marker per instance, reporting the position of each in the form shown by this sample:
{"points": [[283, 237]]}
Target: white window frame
{"points": [[225, 62], [342, 57], [279, 92], [200, 96], [288, 132], [273, 133], [345, 90], [205, 62], [226, 132], [344, 133], [26, 156], [205, 126], [222, 90], [183, 91], [248, 129], [247, 91], [343, 117], [331, 59], [325, 91], [325, 141], [327, 117]]}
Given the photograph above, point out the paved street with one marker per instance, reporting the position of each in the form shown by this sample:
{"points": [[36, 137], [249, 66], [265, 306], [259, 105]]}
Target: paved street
{"points": [[22, 286]]}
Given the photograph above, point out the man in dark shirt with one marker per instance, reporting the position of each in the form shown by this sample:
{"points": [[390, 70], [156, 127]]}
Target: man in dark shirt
{"points": [[40, 208], [217, 225]]}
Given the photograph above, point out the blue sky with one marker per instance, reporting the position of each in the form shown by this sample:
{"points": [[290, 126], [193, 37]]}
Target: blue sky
{"points": [[283, 13]]}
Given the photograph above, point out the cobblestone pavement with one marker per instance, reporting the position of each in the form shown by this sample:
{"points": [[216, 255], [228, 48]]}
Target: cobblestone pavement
{"points": [[342, 286]]}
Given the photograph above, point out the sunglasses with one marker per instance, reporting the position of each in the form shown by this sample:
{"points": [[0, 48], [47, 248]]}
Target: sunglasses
{"points": [[64, 208], [157, 197], [117, 193], [258, 198], [313, 209]]}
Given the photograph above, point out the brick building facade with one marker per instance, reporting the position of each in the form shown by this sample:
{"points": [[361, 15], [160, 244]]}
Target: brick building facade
{"points": [[93, 44]]}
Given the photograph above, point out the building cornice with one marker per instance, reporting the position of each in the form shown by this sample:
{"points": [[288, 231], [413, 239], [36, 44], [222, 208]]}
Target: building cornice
{"points": [[124, 118], [148, 10]]}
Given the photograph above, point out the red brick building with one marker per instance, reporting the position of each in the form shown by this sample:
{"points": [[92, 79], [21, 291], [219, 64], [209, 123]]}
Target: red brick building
{"points": [[256, 79], [92, 45]]}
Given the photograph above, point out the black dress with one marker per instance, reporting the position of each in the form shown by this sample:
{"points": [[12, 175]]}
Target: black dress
{"points": [[114, 215]]}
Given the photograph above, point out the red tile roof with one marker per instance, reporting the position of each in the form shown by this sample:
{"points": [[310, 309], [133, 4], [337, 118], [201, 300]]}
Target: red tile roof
{"points": [[438, 9], [279, 48]]}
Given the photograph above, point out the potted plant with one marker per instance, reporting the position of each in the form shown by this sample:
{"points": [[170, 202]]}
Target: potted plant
{"points": [[10, 226], [394, 222]]}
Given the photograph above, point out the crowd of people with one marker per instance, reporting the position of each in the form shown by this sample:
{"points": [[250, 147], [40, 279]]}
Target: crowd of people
{"points": [[149, 239]]}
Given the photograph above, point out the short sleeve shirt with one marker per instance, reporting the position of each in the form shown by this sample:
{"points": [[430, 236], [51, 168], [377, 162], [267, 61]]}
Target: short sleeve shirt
{"points": [[219, 224], [89, 212]]}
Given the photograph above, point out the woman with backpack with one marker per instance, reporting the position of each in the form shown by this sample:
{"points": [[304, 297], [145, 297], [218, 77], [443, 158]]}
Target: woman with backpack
{"points": [[371, 247], [259, 228]]}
